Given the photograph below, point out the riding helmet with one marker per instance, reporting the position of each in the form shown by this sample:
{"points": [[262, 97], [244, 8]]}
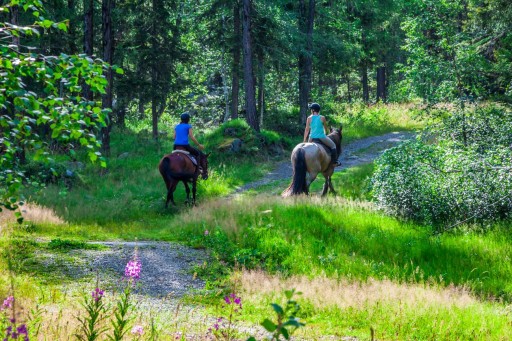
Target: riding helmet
{"points": [[185, 117], [315, 107]]}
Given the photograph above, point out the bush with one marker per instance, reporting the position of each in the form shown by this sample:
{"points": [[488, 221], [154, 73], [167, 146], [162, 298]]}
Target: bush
{"points": [[465, 176]]}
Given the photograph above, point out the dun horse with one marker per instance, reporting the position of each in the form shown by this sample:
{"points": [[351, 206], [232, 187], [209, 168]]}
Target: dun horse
{"points": [[178, 166], [309, 159]]}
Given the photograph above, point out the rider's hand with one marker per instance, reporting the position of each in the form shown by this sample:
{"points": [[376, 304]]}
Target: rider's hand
{"points": [[201, 147]]}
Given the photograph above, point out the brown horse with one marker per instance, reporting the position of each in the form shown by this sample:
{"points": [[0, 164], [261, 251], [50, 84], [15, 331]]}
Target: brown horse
{"points": [[309, 159], [178, 166]]}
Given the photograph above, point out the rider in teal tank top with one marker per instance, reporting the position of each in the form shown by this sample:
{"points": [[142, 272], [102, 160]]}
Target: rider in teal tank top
{"points": [[316, 126]]}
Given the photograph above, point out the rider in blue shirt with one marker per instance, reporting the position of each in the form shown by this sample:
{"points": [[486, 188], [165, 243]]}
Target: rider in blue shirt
{"points": [[182, 132], [316, 126]]}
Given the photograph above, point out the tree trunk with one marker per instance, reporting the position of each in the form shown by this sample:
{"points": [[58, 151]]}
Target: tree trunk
{"points": [[381, 83], [364, 68], [154, 74], [364, 82], [88, 39], [306, 22], [225, 88], [73, 48], [14, 20], [141, 107], [250, 93], [108, 56], [261, 87], [349, 92], [235, 83], [154, 117]]}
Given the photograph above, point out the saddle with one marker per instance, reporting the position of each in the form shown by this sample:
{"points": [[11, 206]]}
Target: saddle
{"points": [[190, 156]]}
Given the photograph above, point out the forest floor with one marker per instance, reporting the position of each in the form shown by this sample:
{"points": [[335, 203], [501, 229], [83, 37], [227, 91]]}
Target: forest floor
{"points": [[167, 268]]}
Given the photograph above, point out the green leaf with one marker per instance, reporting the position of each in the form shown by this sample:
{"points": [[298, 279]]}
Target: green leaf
{"points": [[277, 308], [269, 325], [285, 333], [62, 26], [46, 23], [120, 71]]}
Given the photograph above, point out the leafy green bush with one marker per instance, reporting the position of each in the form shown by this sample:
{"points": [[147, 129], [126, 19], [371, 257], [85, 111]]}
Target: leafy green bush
{"points": [[465, 176]]}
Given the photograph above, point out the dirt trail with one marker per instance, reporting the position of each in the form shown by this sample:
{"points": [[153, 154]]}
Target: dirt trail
{"points": [[353, 154]]}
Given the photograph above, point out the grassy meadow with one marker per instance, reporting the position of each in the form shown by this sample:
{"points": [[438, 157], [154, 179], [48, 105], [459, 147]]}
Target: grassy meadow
{"points": [[359, 270]]}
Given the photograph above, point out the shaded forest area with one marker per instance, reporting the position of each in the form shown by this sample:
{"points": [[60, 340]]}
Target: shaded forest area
{"points": [[259, 58], [262, 61]]}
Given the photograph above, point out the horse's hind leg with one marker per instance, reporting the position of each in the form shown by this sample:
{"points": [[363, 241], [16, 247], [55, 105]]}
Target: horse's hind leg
{"points": [[170, 194]]}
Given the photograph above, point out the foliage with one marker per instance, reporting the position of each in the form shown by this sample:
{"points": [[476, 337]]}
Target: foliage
{"points": [[286, 320], [464, 177], [42, 100]]}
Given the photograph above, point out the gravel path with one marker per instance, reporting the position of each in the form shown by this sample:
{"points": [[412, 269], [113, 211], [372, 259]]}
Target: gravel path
{"points": [[353, 154]]}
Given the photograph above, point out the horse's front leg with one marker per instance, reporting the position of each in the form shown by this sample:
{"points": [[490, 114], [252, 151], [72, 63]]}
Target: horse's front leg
{"points": [[187, 190], [326, 186], [331, 186], [194, 188]]}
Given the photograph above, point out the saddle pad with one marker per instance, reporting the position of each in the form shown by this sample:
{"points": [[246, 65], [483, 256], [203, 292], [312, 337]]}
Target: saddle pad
{"points": [[192, 158], [181, 151]]}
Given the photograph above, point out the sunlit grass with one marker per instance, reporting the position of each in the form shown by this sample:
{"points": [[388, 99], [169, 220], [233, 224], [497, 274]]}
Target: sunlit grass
{"points": [[402, 311]]}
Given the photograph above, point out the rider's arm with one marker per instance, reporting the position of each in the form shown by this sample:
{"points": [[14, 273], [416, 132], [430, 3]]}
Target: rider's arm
{"points": [[174, 135], [191, 135], [326, 127], [306, 131]]}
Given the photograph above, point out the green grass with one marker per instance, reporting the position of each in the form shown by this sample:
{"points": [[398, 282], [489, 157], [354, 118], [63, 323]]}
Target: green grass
{"points": [[341, 238], [360, 121]]}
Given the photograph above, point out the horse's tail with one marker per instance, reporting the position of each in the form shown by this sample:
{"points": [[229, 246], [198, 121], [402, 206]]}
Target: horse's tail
{"points": [[165, 169], [298, 185]]}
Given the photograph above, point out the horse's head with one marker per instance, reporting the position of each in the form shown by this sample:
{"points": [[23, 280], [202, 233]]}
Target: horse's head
{"points": [[336, 136], [203, 165]]}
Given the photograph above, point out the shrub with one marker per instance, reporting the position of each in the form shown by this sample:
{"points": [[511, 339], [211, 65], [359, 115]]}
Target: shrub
{"points": [[465, 176]]}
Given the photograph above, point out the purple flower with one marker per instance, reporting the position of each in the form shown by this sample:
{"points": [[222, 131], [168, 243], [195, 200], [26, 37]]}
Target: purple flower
{"points": [[227, 300], [137, 330], [22, 330], [132, 269], [206, 232], [7, 303], [97, 294]]}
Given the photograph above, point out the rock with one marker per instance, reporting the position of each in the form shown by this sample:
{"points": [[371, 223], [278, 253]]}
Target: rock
{"points": [[75, 165], [124, 155], [230, 132], [236, 146]]}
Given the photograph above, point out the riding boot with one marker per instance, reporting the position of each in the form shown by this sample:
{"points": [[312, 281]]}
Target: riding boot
{"points": [[334, 157]]}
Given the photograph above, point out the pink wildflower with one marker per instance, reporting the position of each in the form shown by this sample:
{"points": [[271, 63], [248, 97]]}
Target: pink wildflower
{"points": [[7, 303], [97, 294], [206, 232], [137, 330], [132, 269]]}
